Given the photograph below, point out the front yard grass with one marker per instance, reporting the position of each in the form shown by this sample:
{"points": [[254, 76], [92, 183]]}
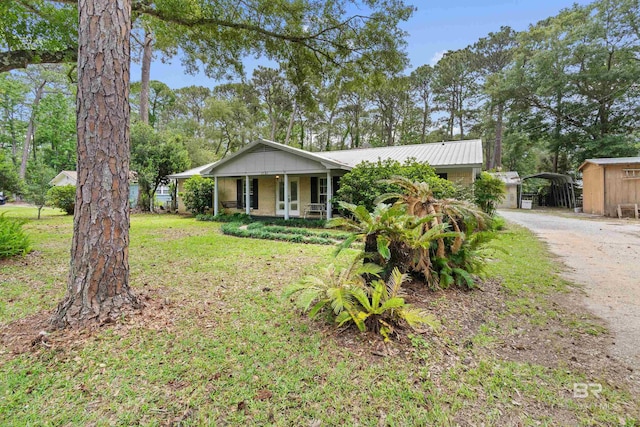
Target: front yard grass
{"points": [[217, 344]]}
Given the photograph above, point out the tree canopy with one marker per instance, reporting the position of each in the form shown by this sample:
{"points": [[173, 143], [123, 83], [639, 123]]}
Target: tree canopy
{"points": [[217, 35]]}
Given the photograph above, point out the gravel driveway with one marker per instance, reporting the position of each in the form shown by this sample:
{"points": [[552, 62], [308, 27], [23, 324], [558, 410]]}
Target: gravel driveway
{"points": [[603, 255]]}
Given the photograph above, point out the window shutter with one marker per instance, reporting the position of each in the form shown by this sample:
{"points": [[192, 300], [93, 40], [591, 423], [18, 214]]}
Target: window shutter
{"points": [[254, 198], [314, 189], [335, 186], [239, 201]]}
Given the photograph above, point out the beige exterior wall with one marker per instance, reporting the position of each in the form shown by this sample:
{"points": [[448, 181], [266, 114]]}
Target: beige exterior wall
{"points": [[459, 176], [605, 187], [64, 180], [511, 198], [593, 189], [618, 189], [181, 207]]}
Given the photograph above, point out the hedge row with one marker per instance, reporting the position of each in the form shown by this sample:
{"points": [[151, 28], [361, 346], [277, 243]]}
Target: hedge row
{"points": [[247, 219], [288, 235], [301, 231]]}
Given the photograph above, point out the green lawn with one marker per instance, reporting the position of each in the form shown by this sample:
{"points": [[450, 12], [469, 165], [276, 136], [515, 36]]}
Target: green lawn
{"points": [[224, 348]]}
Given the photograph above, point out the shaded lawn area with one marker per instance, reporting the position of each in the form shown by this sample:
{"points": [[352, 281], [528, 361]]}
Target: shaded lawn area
{"points": [[218, 345]]}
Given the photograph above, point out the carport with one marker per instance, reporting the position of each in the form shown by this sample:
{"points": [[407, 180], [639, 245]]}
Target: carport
{"points": [[561, 191]]}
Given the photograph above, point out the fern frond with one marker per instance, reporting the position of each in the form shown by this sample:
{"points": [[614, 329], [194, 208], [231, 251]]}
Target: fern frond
{"points": [[392, 303], [416, 318], [395, 281]]}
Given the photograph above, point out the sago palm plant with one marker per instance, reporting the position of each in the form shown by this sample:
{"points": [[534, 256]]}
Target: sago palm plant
{"points": [[377, 306]]}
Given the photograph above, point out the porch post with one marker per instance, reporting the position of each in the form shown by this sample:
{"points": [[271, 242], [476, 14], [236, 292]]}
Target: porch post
{"points": [[329, 194], [247, 196], [286, 196], [215, 196]]}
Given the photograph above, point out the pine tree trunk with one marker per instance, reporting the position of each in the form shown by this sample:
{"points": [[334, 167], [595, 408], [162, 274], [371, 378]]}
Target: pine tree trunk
{"points": [[30, 131], [98, 287], [425, 121], [145, 78], [497, 151]]}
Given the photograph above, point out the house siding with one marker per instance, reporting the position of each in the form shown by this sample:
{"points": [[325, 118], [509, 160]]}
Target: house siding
{"points": [[593, 189], [605, 187], [511, 198], [618, 189], [462, 176]]}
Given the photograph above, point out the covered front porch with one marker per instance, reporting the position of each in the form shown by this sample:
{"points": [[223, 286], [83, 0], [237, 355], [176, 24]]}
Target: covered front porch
{"points": [[281, 195]]}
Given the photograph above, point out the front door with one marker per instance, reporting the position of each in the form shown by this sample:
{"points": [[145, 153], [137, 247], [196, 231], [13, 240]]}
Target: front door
{"points": [[294, 201]]}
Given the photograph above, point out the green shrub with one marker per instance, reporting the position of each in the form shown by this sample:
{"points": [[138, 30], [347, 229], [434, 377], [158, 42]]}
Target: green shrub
{"points": [[418, 234], [297, 222], [368, 181], [13, 240], [489, 191], [221, 217], [198, 194], [63, 197], [9, 179]]}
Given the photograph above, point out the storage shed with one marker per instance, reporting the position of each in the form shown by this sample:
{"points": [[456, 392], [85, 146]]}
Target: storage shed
{"points": [[511, 181], [611, 186]]}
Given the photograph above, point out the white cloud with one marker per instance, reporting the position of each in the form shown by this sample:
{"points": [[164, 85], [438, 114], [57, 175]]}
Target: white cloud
{"points": [[437, 57]]}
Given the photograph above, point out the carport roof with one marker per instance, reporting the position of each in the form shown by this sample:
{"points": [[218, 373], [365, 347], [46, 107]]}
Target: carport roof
{"points": [[556, 177]]}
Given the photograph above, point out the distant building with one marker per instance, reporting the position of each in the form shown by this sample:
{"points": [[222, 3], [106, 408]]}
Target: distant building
{"points": [[511, 181], [611, 186]]}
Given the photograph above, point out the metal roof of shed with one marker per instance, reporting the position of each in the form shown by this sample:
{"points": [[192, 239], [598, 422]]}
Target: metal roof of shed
{"points": [[611, 161]]}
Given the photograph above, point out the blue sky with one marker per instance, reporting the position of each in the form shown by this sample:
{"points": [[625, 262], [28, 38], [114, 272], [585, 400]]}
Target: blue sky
{"points": [[437, 26]]}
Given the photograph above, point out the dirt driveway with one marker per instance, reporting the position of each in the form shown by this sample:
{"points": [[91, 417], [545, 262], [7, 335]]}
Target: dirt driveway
{"points": [[603, 255]]}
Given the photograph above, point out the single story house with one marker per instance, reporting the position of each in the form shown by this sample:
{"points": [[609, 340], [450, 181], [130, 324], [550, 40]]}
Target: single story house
{"points": [[611, 186], [64, 178], [266, 178], [512, 182]]}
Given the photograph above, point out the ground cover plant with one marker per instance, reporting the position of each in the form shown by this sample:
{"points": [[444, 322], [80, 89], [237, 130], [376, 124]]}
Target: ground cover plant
{"points": [[261, 230], [216, 344], [247, 219]]}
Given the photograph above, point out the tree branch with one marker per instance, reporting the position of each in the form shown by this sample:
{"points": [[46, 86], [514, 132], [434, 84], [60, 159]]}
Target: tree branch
{"points": [[21, 58]]}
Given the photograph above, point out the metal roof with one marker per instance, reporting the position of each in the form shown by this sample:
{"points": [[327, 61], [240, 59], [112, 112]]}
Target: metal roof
{"points": [[510, 177], [439, 154], [554, 177], [442, 154], [611, 161], [191, 172]]}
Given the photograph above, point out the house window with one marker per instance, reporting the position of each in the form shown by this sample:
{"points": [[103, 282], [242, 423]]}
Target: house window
{"points": [[241, 193], [442, 175], [322, 190], [319, 189]]}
